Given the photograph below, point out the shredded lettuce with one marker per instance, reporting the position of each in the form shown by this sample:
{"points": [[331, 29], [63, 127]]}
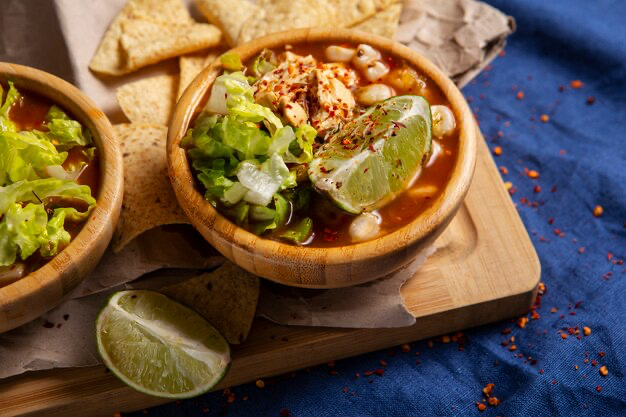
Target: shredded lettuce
{"points": [[6, 125], [44, 189], [231, 61], [24, 154], [67, 132], [28, 229], [264, 181], [300, 232]]}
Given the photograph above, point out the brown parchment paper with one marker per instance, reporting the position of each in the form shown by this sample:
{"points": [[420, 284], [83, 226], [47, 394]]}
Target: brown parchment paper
{"points": [[461, 36]]}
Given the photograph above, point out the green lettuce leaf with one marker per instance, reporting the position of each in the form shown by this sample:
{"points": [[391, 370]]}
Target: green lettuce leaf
{"points": [[300, 232], [57, 235], [44, 189], [6, 125], [24, 154], [231, 61], [67, 132], [28, 229], [262, 181]]}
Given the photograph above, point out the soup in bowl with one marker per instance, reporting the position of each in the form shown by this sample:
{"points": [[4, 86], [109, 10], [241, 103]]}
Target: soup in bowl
{"points": [[321, 159]]}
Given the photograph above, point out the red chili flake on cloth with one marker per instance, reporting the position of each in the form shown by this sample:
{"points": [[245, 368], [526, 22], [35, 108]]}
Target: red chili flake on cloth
{"points": [[497, 151], [598, 388], [380, 372], [537, 189], [597, 211], [590, 100], [544, 118], [532, 174], [504, 170], [520, 95], [576, 84], [481, 407]]}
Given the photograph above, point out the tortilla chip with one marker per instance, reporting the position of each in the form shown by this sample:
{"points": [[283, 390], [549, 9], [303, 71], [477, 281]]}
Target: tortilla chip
{"points": [[281, 15], [146, 42], [108, 58], [150, 100], [149, 199], [226, 297], [229, 16], [191, 65], [384, 23]]}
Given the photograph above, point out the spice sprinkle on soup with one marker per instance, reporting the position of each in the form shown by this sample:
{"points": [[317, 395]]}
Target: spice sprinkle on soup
{"points": [[322, 145]]}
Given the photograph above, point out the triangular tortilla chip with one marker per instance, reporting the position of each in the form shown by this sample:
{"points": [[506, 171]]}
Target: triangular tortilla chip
{"points": [[146, 42], [226, 297], [149, 199], [280, 15], [384, 23], [229, 15], [150, 100], [108, 58]]}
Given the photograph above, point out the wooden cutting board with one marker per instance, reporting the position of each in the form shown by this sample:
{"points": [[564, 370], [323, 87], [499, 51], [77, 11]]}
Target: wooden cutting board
{"points": [[485, 270]]}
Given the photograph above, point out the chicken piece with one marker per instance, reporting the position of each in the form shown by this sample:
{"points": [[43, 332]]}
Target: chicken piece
{"points": [[334, 99], [281, 89]]}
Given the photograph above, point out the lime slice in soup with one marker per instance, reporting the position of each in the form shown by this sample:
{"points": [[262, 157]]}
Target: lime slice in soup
{"points": [[160, 347], [374, 157]]}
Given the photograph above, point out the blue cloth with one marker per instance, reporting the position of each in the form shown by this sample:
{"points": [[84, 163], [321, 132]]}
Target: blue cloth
{"points": [[556, 42]]}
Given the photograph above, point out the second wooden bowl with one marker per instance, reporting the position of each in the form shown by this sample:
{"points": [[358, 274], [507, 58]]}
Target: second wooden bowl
{"points": [[43, 289], [320, 267]]}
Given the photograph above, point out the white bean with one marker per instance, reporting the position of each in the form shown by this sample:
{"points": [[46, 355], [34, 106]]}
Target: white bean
{"points": [[339, 53], [443, 120], [376, 70], [364, 55], [372, 94], [364, 227]]}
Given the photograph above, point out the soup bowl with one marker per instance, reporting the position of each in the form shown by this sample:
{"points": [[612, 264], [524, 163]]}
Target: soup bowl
{"points": [[313, 267], [44, 288]]}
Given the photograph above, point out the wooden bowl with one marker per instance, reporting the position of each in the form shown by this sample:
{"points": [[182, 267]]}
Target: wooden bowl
{"points": [[42, 290], [320, 267]]}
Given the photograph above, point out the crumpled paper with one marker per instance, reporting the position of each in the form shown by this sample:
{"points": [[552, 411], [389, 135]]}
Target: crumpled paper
{"points": [[460, 36], [372, 305], [61, 36]]}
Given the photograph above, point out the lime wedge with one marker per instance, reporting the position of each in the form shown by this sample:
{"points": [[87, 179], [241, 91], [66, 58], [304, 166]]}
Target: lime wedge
{"points": [[373, 157], [160, 347]]}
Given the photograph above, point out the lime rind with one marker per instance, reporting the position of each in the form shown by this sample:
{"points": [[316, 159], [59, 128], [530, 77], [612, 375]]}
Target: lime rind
{"points": [[384, 153], [160, 347]]}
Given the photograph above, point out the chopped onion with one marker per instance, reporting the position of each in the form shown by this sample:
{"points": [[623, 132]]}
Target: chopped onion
{"points": [[436, 152], [443, 120], [365, 226], [339, 53], [423, 191], [373, 93], [376, 70], [58, 172], [10, 274], [364, 55]]}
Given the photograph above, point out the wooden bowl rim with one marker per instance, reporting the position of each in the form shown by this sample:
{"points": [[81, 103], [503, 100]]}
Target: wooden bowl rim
{"points": [[107, 210], [442, 208]]}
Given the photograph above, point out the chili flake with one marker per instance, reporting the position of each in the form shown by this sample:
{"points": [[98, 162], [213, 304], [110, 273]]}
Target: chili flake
{"points": [[405, 348], [544, 118], [586, 331], [259, 383], [576, 84], [604, 371], [497, 151], [532, 174], [481, 407], [597, 211], [520, 95]]}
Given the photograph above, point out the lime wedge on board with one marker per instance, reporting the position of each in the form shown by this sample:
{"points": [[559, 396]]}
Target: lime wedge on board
{"points": [[160, 347], [373, 157]]}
